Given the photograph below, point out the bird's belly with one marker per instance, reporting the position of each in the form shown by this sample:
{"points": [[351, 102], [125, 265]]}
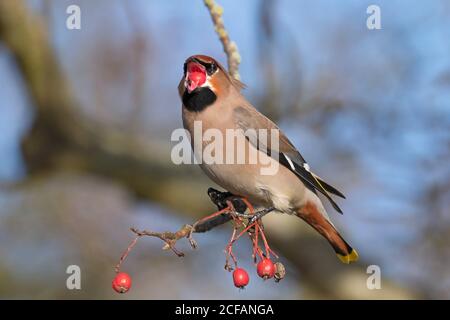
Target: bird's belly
{"points": [[264, 183], [235, 178], [283, 190]]}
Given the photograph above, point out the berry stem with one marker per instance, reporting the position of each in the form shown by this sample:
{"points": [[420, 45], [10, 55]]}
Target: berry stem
{"points": [[125, 254], [229, 251], [266, 246], [255, 243]]}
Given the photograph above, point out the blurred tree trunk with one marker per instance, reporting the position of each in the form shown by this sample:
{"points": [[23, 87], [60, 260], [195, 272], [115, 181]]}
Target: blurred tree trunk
{"points": [[62, 138]]}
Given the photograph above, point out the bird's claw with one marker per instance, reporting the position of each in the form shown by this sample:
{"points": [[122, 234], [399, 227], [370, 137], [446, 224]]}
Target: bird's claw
{"points": [[258, 215], [222, 199]]}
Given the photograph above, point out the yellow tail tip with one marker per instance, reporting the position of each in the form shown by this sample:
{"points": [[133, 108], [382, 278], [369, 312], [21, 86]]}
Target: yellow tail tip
{"points": [[351, 257]]}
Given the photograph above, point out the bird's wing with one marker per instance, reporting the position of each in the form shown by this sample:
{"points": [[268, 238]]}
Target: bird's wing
{"points": [[249, 118]]}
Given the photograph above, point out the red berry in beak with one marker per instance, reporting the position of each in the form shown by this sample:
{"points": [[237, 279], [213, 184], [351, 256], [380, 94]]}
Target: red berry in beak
{"points": [[240, 278], [122, 282], [196, 76], [266, 269]]}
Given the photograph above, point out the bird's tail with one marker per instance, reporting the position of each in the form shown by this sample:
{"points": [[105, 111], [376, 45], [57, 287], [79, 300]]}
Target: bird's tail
{"points": [[343, 250], [320, 223]]}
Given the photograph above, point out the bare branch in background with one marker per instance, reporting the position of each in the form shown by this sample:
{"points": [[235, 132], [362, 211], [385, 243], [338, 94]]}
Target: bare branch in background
{"points": [[230, 47], [140, 48]]}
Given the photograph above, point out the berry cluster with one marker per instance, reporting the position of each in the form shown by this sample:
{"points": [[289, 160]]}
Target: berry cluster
{"points": [[266, 269], [250, 224]]}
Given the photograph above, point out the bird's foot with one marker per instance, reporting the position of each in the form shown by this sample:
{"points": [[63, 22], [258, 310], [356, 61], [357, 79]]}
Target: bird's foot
{"points": [[259, 214], [220, 199], [238, 204]]}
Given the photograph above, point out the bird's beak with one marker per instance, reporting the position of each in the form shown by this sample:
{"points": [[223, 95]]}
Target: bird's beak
{"points": [[195, 76]]}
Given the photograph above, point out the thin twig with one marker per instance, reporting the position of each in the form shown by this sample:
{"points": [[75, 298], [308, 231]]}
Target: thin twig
{"points": [[171, 238], [230, 47], [125, 254]]}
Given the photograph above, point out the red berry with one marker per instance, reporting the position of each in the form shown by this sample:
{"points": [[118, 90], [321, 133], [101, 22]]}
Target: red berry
{"points": [[266, 269], [240, 278], [122, 282]]}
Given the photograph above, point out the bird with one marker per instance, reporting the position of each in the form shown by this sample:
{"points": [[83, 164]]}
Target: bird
{"points": [[211, 96]]}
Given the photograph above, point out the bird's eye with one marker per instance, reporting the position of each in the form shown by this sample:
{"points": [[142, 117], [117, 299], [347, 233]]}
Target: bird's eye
{"points": [[210, 68]]}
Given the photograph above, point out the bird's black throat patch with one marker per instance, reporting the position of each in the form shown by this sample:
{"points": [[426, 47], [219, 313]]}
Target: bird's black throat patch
{"points": [[199, 99]]}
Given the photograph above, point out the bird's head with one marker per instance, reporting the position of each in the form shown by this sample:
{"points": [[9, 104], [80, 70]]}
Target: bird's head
{"points": [[204, 81], [200, 72]]}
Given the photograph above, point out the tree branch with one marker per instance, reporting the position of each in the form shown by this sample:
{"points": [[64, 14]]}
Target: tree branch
{"points": [[230, 47], [205, 224], [170, 238]]}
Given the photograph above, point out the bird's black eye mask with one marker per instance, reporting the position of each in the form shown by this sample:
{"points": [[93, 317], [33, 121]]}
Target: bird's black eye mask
{"points": [[210, 68]]}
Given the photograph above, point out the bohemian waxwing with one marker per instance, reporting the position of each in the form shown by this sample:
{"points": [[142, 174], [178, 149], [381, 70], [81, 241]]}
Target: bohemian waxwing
{"points": [[210, 96]]}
